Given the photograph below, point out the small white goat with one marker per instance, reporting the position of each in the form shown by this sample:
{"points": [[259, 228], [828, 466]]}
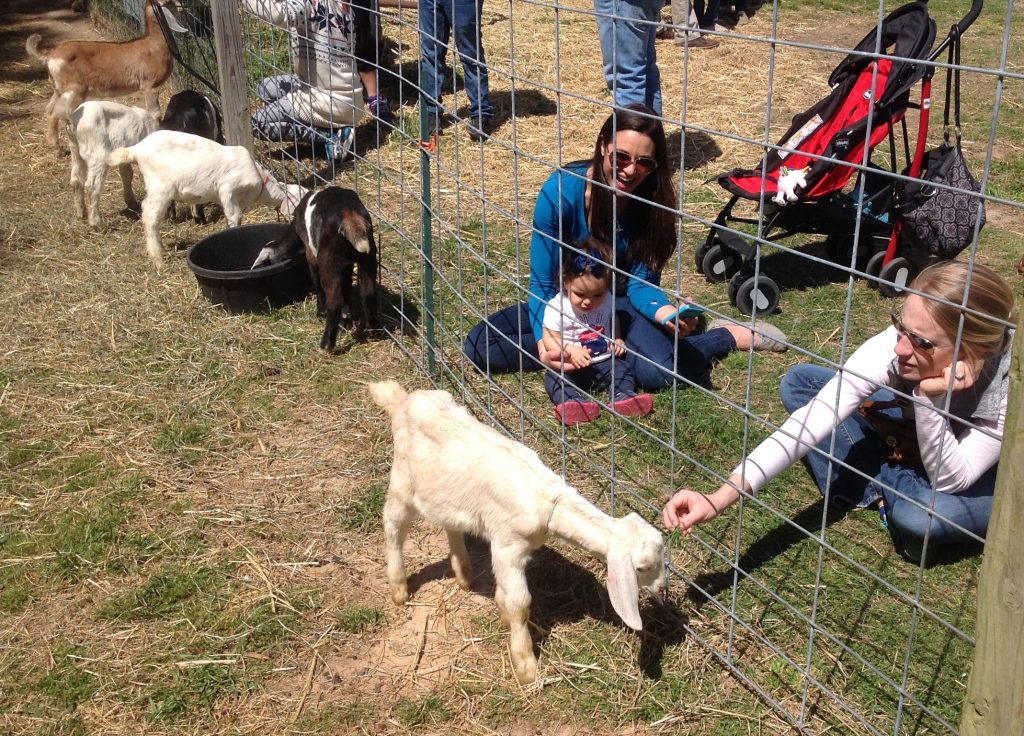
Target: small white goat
{"points": [[180, 167], [468, 478], [81, 70], [95, 129]]}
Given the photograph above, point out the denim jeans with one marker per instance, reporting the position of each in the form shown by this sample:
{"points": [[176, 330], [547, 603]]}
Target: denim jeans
{"points": [[508, 344], [277, 121], [915, 508], [595, 378], [627, 30], [437, 19]]}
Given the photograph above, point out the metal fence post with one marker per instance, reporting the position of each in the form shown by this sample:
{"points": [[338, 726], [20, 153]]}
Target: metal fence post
{"points": [[427, 233], [995, 691]]}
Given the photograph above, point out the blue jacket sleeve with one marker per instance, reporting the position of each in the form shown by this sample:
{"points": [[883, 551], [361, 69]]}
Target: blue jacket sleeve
{"points": [[644, 290], [557, 218]]}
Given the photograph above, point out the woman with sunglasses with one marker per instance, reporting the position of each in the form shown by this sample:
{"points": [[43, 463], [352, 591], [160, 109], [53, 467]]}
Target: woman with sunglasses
{"points": [[947, 382], [622, 195]]}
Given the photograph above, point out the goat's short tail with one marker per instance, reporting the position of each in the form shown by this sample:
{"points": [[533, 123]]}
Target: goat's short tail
{"points": [[356, 228], [32, 47], [389, 395], [120, 156]]}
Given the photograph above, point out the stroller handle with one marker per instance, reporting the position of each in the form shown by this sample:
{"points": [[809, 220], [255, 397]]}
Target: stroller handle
{"points": [[959, 29]]}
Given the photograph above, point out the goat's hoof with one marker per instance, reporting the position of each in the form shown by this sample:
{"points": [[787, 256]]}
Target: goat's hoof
{"points": [[526, 674], [400, 596]]}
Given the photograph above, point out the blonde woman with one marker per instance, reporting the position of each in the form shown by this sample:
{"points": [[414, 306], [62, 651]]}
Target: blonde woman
{"points": [[939, 485]]}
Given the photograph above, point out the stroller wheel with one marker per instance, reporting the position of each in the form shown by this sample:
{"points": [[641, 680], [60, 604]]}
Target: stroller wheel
{"points": [[734, 286], [761, 294], [720, 263], [895, 276], [874, 268]]}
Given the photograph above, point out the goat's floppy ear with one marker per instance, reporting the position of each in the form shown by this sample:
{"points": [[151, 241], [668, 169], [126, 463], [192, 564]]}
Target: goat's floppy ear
{"points": [[622, 588]]}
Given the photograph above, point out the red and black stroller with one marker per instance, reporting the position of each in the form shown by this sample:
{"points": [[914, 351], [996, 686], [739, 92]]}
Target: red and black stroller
{"points": [[801, 185]]}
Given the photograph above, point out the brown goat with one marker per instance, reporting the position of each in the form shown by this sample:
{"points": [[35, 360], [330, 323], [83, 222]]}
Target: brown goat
{"points": [[82, 70]]}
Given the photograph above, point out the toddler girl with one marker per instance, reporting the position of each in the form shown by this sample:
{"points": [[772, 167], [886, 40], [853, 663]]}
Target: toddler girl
{"points": [[581, 323]]}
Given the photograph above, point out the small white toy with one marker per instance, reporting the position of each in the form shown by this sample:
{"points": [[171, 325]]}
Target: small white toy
{"points": [[789, 180]]}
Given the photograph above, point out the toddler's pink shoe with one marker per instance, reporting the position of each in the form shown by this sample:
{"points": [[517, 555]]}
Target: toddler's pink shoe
{"points": [[636, 405], [577, 412]]}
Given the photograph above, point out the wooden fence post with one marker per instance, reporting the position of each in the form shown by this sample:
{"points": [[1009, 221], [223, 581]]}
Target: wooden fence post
{"points": [[227, 33], [995, 690]]}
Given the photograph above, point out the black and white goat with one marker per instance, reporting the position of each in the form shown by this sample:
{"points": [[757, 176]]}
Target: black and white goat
{"points": [[192, 112], [336, 231]]}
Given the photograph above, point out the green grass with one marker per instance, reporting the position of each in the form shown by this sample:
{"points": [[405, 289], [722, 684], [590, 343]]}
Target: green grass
{"points": [[195, 691], [357, 619], [363, 514]]}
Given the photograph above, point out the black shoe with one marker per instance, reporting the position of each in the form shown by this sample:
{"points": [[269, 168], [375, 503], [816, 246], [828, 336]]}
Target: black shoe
{"points": [[481, 132]]}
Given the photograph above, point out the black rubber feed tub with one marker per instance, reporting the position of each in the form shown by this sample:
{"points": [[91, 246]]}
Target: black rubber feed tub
{"points": [[221, 263]]}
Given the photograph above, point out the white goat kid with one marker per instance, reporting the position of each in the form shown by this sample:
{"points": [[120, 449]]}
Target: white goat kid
{"points": [[95, 129], [468, 478], [180, 167]]}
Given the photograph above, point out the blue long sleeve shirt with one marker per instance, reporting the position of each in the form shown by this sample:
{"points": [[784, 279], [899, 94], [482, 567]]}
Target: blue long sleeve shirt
{"points": [[560, 218]]}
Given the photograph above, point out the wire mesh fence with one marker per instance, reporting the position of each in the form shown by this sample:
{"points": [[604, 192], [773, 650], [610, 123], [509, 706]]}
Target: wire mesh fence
{"points": [[809, 601]]}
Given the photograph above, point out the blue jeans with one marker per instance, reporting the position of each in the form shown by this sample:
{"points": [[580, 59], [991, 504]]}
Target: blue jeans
{"points": [[277, 120], [508, 345], [437, 19], [915, 509], [627, 31], [595, 378]]}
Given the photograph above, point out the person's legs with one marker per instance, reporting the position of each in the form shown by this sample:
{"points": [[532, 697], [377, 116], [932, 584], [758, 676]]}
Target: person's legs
{"points": [[506, 344], [916, 509], [626, 29], [572, 406], [435, 30], [856, 444], [684, 21], [272, 89], [653, 86], [709, 17], [276, 121], [658, 356], [470, 45]]}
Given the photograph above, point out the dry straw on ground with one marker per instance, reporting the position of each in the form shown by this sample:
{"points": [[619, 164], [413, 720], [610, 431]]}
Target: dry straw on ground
{"points": [[252, 451]]}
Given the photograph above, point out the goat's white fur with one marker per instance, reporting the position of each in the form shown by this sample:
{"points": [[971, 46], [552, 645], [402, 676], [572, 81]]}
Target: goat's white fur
{"points": [[180, 167], [468, 478], [95, 129]]}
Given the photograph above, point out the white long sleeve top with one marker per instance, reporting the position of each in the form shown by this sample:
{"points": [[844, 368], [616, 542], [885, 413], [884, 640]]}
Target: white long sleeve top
{"points": [[953, 457]]}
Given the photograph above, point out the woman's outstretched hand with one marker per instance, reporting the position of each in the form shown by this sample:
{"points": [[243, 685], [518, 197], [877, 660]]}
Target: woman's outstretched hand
{"points": [[687, 508]]}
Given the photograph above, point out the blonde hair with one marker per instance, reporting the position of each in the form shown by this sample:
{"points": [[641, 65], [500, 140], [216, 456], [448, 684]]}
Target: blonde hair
{"points": [[989, 305]]}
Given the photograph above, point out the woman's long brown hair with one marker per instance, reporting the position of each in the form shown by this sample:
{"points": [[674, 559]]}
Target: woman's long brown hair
{"points": [[652, 229]]}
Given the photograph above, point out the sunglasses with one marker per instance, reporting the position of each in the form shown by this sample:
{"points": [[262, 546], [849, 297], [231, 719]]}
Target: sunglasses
{"points": [[622, 160], [921, 343]]}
